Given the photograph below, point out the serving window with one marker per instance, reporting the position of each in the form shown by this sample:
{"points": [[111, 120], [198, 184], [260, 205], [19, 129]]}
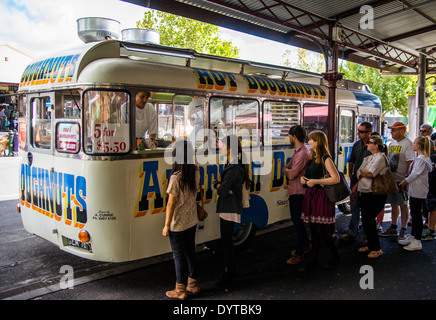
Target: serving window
{"points": [[179, 117]]}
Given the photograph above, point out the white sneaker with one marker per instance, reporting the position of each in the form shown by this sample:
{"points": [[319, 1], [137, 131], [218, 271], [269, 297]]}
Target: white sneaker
{"points": [[406, 240], [414, 245]]}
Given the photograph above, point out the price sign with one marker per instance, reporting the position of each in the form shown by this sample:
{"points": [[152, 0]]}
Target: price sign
{"points": [[110, 138]]}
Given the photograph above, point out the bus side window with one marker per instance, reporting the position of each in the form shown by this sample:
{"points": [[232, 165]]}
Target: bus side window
{"points": [[188, 121], [106, 123], [375, 120], [279, 116], [22, 123], [347, 130], [235, 116], [67, 104], [315, 117], [41, 123]]}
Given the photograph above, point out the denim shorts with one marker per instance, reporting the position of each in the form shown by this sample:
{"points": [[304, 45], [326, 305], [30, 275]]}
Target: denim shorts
{"points": [[431, 202], [399, 198]]}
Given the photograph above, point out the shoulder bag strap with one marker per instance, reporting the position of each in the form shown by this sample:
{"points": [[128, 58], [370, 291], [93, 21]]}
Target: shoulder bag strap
{"points": [[201, 195]]}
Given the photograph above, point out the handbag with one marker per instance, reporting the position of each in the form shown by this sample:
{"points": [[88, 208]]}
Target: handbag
{"points": [[201, 212], [384, 183], [339, 191]]}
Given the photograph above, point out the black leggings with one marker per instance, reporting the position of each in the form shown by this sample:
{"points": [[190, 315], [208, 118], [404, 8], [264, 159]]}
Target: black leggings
{"points": [[371, 205], [320, 233], [416, 207], [226, 228]]}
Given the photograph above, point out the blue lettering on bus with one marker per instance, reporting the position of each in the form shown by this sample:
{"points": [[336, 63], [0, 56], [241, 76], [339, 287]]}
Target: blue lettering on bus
{"points": [[152, 199], [277, 177], [54, 194]]}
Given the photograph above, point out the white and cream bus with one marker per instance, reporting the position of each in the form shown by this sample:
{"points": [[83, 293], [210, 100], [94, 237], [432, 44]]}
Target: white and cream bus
{"points": [[87, 186]]}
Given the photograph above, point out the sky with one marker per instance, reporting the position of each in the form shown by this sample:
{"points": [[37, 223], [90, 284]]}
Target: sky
{"points": [[39, 27]]}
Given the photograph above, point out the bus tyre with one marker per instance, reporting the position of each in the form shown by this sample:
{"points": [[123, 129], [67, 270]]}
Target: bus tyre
{"points": [[345, 207], [244, 235]]}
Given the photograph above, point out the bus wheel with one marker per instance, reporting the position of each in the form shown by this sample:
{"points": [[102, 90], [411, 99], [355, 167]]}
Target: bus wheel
{"points": [[243, 236], [345, 207]]}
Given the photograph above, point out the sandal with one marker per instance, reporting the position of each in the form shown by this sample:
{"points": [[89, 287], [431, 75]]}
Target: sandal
{"points": [[375, 254], [363, 249]]}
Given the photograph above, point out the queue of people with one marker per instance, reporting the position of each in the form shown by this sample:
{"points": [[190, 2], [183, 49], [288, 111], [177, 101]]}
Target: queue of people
{"points": [[8, 119], [412, 165], [311, 211]]}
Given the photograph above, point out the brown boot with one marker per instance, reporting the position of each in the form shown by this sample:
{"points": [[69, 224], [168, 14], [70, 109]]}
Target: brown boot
{"points": [[178, 293], [193, 286]]}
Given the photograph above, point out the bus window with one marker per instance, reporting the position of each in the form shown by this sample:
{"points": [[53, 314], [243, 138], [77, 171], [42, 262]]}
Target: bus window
{"points": [[195, 123], [22, 124], [67, 104], [347, 130], [41, 123], [188, 120], [235, 116], [279, 116], [106, 122], [375, 120], [22, 106], [315, 117]]}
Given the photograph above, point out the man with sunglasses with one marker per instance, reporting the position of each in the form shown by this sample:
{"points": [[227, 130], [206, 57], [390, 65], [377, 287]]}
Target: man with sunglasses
{"points": [[401, 155], [358, 153]]}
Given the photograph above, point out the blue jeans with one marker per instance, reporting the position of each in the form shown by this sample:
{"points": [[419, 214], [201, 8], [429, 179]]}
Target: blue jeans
{"points": [[183, 246], [353, 227], [295, 207]]}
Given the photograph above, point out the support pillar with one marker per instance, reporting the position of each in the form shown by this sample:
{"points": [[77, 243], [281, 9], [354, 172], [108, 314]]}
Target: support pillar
{"points": [[332, 76], [421, 90]]}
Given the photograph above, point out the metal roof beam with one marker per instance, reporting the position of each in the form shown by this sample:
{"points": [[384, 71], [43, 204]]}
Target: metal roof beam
{"points": [[263, 21]]}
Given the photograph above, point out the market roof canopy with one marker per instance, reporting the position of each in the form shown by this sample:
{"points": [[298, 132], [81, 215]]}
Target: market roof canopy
{"points": [[370, 32]]}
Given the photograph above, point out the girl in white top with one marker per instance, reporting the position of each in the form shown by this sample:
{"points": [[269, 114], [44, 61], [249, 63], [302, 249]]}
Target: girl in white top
{"points": [[418, 189]]}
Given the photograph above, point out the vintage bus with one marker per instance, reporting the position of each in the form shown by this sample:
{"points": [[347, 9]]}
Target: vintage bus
{"points": [[88, 187]]}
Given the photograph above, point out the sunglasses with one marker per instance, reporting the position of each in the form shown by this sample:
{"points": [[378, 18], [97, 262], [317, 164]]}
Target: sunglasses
{"points": [[371, 142], [423, 131], [363, 131]]}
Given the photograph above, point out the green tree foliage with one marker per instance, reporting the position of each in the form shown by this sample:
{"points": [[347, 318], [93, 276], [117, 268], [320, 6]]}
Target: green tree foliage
{"points": [[177, 31], [393, 90], [304, 60]]}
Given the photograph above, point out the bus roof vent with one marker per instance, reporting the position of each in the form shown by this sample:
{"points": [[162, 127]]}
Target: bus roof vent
{"points": [[140, 36], [92, 29]]}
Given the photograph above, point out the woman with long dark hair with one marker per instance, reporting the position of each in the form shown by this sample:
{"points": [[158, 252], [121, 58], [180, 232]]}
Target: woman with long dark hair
{"points": [[181, 219], [229, 205], [317, 210]]}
